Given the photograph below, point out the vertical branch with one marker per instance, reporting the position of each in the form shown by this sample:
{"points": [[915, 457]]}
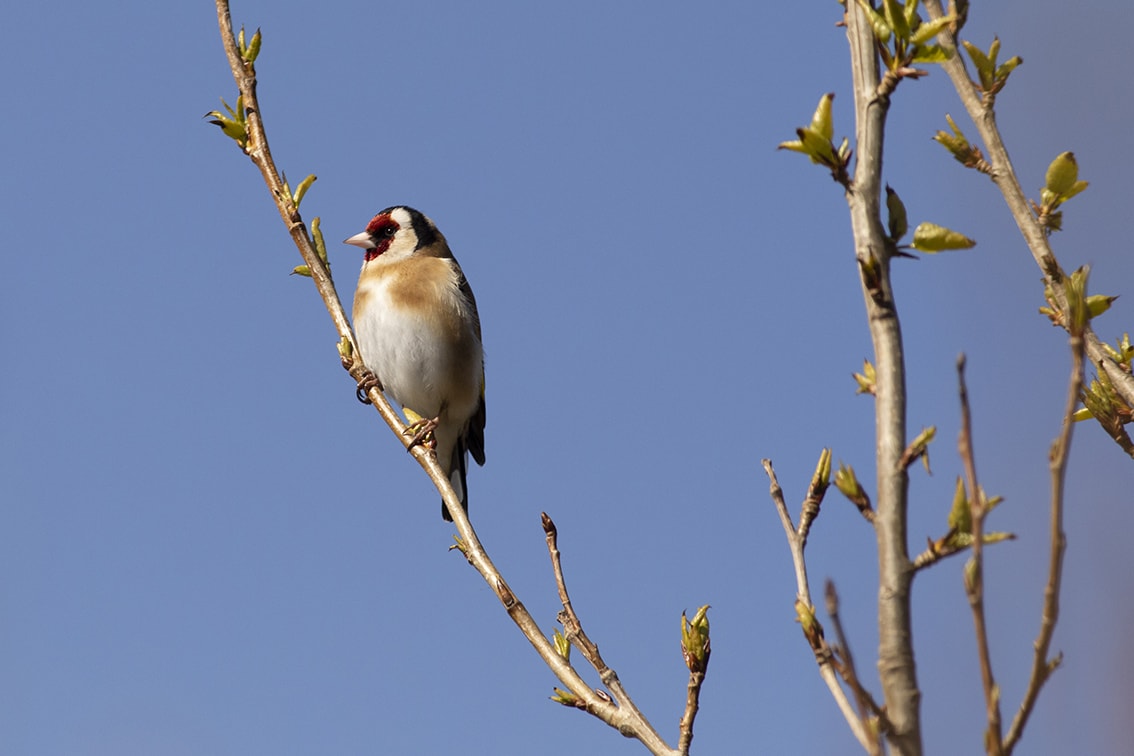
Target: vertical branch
{"points": [[1042, 667], [974, 571], [895, 572]]}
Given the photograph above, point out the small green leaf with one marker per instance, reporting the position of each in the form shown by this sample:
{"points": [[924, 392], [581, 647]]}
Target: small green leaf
{"points": [[919, 447], [896, 19], [562, 645], [881, 29], [1062, 174], [564, 697], [822, 477], [816, 147], [897, 220], [1097, 304], [866, 380], [233, 125], [317, 236], [821, 120], [961, 514], [251, 52], [910, 13], [957, 144], [1076, 293], [931, 29], [301, 190], [1008, 67], [930, 238], [1077, 187], [930, 54], [993, 52], [981, 63]]}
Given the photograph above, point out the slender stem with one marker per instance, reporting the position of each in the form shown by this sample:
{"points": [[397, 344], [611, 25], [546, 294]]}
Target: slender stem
{"points": [[573, 630], [823, 655], [974, 576], [1042, 666], [895, 571], [692, 706], [866, 704]]}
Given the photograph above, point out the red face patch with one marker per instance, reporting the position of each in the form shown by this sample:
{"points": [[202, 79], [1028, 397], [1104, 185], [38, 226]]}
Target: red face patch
{"points": [[382, 230]]}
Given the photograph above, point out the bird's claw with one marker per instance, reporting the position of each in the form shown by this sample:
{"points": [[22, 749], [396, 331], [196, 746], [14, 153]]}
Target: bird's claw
{"points": [[365, 383], [422, 431]]}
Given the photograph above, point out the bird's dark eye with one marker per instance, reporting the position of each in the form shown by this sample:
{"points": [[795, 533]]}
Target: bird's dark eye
{"points": [[389, 231]]}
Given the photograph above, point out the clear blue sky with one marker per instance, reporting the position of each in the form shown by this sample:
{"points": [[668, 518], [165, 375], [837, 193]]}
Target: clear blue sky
{"points": [[207, 546]]}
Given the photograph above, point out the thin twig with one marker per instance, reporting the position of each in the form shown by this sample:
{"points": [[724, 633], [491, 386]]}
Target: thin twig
{"points": [[696, 650], [974, 572], [1042, 666], [867, 707], [469, 544], [823, 655], [573, 631]]}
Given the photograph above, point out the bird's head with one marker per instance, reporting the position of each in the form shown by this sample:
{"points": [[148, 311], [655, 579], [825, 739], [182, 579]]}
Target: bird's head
{"points": [[397, 233]]}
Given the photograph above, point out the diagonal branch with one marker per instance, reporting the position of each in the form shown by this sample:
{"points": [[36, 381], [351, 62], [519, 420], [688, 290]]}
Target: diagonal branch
{"points": [[1004, 176], [805, 611], [867, 707], [573, 631], [469, 544]]}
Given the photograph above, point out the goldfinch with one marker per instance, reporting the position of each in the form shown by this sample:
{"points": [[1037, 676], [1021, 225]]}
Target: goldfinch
{"points": [[419, 333]]}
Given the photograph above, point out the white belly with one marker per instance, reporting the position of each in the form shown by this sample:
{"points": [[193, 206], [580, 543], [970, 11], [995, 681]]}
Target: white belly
{"points": [[422, 362]]}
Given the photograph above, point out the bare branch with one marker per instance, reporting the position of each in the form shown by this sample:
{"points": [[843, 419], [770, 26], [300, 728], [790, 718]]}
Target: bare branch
{"points": [[868, 709], [805, 610], [974, 571], [1042, 666], [633, 723]]}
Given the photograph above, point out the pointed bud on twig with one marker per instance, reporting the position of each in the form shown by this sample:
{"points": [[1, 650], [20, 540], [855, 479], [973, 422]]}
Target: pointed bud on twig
{"points": [[320, 244], [566, 698], [866, 380], [562, 645], [919, 447], [695, 646], [849, 487]]}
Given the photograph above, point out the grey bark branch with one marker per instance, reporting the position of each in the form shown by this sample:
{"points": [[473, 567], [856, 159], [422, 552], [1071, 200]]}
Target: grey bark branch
{"points": [[872, 248]]}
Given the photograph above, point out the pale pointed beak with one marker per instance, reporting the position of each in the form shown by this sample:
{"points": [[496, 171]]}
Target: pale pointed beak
{"points": [[360, 240]]}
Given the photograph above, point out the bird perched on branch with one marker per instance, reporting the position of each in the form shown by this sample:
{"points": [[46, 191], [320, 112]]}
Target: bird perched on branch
{"points": [[419, 334]]}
